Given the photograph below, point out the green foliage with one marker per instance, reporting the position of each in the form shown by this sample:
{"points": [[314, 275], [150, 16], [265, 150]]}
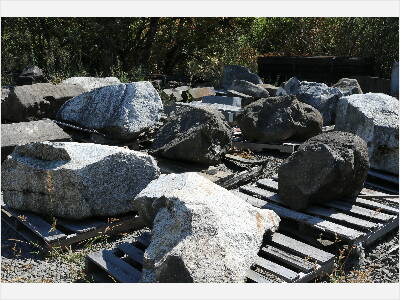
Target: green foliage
{"points": [[132, 48]]}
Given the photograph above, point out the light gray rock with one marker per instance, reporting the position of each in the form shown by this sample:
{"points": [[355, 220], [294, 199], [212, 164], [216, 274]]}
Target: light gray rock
{"points": [[375, 118], [75, 180], [248, 88], [233, 101], [278, 119], [201, 231], [329, 166], [193, 134], [120, 111], [198, 93], [91, 83], [234, 72], [36, 101], [318, 95], [28, 132], [230, 112], [30, 75], [270, 88], [348, 86]]}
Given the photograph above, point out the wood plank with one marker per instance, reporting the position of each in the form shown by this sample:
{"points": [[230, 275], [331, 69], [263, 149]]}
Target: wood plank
{"points": [[241, 178], [39, 226], [117, 268], [376, 205], [268, 183], [357, 210], [257, 147], [375, 235], [335, 215], [381, 187], [144, 239], [366, 191], [343, 232], [278, 270], [300, 248], [134, 253], [256, 277], [386, 177], [294, 261], [80, 226], [264, 194]]}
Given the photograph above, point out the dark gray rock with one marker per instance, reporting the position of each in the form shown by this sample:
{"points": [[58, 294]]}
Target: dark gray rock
{"points": [[28, 132], [201, 231], [234, 72], [248, 88], [194, 134], [277, 119], [330, 166], [375, 118], [120, 111], [36, 101], [234, 101], [348, 86], [270, 88], [91, 83], [30, 75], [75, 180], [318, 95]]}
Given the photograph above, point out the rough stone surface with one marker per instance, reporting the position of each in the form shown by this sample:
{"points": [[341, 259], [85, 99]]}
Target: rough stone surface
{"points": [[330, 166], [277, 119], [91, 83], [28, 132], [30, 75], [318, 95], [198, 93], [248, 88], [201, 231], [375, 118], [36, 101], [234, 101], [270, 88], [194, 134], [120, 111], [348, 86], [234, 72], [75, 180]]}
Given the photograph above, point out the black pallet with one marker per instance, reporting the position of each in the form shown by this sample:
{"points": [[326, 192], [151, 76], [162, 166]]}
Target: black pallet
{"points": [[281, 259], [359, 221], [63, 233]]}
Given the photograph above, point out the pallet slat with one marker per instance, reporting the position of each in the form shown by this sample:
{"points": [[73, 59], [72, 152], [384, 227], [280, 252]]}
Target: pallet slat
{"points": [[120, 270], [386, 177], [80, 226], [278, 270], [343, 232], [290, 259], [133, 252], [38, 226], [357, 210], [256, 277]]}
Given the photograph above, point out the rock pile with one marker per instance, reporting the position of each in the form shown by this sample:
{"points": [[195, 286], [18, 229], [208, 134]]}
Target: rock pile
{"points": [[247, 88], [234, 72], [318, 95], [36, 101], [75, 180], [31, 75], [201, 231], [375, 118], [120, 111], [348, 86], [330, 166], [277, 119], [194, 134]]}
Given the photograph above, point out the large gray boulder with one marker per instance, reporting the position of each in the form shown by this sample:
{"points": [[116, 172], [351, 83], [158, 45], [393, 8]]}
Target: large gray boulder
{"points": [[120, 111], [277, 119], [318, 95], [36, 101], [248, 88], [28, 132], [375, 118], [194, 134], [234, 72], [74, 180], [201, 231], [91, 83], [348, 86], [330, 166]]}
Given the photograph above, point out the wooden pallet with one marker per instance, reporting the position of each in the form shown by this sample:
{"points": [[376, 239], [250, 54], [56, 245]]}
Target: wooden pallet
{"points": [[64, 233], [281, 259], [360, 221], [383, 181], [259, 147]]}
